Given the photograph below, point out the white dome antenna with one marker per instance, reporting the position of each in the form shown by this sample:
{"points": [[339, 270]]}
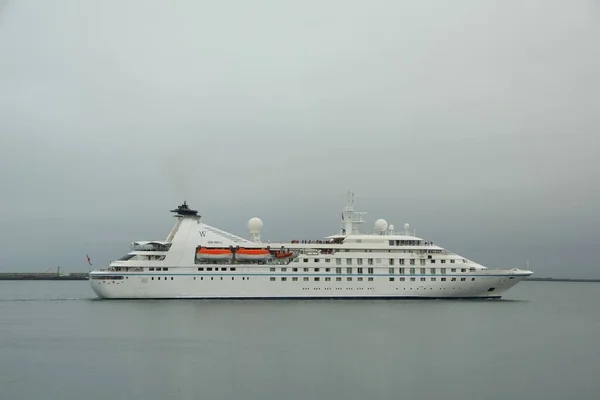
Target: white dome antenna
{"points": [[391, 229], [406, 227], [381, 226], [255, 225]]}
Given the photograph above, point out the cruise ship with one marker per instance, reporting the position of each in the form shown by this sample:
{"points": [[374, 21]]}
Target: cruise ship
{"points": [[200, 261]]}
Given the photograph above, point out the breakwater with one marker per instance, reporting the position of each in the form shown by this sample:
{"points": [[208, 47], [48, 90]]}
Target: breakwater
{"points": [[43, 276]]}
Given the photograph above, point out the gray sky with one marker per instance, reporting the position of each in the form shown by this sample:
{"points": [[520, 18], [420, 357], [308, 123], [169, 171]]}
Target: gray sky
{"points": [[478, 122]]}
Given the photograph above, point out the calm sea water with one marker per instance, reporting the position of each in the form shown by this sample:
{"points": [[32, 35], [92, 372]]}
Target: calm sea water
{"points": [[58, 342]]}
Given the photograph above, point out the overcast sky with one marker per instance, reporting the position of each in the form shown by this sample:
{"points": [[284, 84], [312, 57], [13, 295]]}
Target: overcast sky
{"points": [[476, 121]]}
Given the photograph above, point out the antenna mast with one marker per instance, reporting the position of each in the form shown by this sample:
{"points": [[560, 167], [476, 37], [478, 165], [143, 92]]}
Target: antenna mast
{"points": [[350, 218]]}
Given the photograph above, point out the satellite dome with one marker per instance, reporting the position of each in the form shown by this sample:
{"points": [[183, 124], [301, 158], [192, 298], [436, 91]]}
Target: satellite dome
{"points": [[406, 226], [255, 225], [381, 225], [391, 228]]}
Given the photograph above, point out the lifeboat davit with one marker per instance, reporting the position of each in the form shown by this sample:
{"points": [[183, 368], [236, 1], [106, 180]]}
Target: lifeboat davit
{"points": [[252, 254], [204, 253]]}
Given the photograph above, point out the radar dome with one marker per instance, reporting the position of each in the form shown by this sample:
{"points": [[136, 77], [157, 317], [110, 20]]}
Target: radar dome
{"points": [[255, 225], [391, 228], [406, 226], [381, 225]]}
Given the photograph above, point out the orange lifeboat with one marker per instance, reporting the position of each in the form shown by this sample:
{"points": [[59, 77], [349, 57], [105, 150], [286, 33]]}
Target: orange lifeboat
{"points": [[206, 253], [283, 254], [243, 254]]}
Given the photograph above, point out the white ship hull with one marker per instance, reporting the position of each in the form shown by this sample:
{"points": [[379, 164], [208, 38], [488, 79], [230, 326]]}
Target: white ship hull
{"points": [[181, 285]]}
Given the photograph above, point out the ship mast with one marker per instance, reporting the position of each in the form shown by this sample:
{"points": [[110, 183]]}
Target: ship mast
{"points": [[351, 219]]}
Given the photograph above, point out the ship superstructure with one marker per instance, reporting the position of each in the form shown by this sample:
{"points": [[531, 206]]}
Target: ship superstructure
{"points": [[198, 260]]}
